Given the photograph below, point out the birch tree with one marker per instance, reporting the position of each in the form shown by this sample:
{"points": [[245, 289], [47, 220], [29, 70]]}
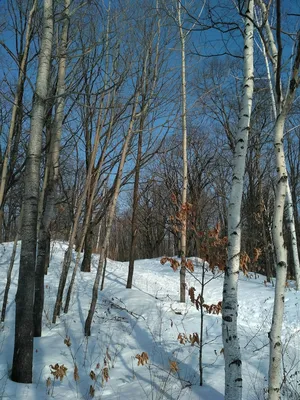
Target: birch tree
{"points": [[23, 346], [232, 352], [269, 48], [283, 106], [183, 36]]}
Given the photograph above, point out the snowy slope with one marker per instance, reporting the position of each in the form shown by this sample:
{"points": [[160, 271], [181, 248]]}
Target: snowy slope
{"points": [[148, 319]]}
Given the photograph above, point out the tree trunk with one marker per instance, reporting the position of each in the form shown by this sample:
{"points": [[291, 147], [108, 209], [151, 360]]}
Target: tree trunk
{"points": [[281, 265], [50, 192], [134, 221], [289, 200], [88, 250], [47, 252], [23, 348], [281, 108], [280, 249], [184, 160], [232, 352]]}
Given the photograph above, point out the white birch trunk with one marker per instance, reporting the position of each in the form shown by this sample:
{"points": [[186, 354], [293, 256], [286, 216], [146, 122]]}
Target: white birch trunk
{"points": [[277, 231], [282, 190], [184, 158], [289, 202], [232, 352], [281, 265]]}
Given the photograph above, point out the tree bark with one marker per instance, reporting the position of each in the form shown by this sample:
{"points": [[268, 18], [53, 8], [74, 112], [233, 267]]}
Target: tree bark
{"points": [[184, 160], [23, 347], [277, 108], [53, 166], [277, 231], [232, 352], [134, 220], [88, 249]]}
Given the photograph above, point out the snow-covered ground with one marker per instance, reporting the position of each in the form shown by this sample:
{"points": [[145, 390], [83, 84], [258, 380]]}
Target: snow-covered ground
{"points": [[146, 319]]}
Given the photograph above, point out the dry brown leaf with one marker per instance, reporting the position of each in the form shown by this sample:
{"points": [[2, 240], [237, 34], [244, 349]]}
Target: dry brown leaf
{"points": [[173, 366], [105, 374], [93, 375], [194, 338], [58, 371], [142, 358], [182, 338], [76, 374]]}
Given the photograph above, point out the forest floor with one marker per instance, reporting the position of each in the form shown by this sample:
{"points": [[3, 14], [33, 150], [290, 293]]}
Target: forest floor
{"points": [[146, 321]]}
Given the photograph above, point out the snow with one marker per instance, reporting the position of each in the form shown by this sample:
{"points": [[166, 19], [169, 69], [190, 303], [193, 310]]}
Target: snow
{"points": [[147, 318]]}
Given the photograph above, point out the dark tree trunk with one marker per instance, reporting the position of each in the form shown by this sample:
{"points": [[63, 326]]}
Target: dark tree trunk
{"points": [[47, 254], [88, 249], [23, 347], [134, 224]]}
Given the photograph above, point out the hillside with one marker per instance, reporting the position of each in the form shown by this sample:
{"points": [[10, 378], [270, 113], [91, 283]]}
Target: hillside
{"points": [[146, 319]]}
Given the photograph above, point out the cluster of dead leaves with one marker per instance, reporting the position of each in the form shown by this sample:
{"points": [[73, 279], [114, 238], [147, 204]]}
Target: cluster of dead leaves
{"points": [[184, 211], [58, 371], [192, 338], [213, 308], [142, 358], [199, 302], [213, 248], [245, 260], [175, 264], [76, 373]]}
